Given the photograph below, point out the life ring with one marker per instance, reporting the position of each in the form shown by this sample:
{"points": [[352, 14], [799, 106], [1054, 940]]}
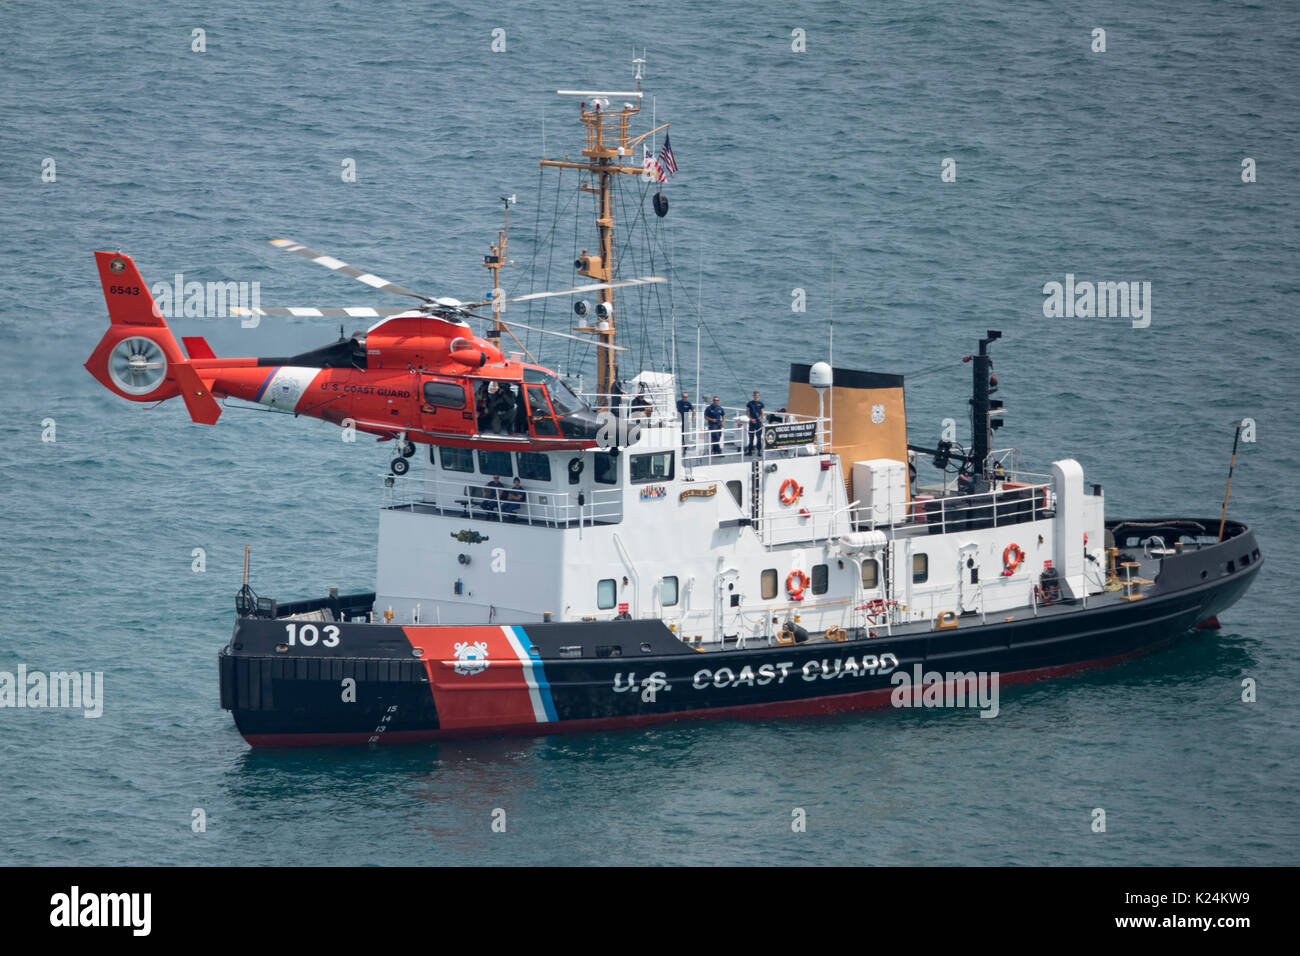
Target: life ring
{"points": [[790, 491], [795, 582], [1012, 557]]}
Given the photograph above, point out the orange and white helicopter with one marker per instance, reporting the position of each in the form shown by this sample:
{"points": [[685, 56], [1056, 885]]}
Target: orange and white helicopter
{"points": [[419, 374]]}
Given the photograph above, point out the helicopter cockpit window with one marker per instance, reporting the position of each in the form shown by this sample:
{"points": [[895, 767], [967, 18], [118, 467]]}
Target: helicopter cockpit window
{"points": [[444, 394], [562, 399], [539, 413]]}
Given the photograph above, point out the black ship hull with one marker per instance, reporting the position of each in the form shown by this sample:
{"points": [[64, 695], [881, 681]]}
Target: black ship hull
{"points": [[293, 684]]}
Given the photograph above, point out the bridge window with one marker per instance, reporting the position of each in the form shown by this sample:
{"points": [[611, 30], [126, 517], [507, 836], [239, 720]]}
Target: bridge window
{"points": [[920, 568], [769, 584], [606, 468], [495, 463], [444, 394], [668, 591], [870, 574], [656, 467], [456, 459], [605, 594], [534, 466], [820, 579]]}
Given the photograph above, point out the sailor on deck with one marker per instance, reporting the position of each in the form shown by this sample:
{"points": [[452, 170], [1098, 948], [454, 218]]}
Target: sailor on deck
{"points": [[755, 440], [716, 416], [684, 409], [513, 498]]}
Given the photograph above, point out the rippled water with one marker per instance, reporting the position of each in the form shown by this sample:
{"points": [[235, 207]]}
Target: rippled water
{"points": [[819, 171]]}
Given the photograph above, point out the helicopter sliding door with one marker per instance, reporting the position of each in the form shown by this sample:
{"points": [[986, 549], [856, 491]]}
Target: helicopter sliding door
{"points": [[446, 407]]}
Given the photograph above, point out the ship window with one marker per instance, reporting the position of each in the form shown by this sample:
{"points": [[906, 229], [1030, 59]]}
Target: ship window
{"points": [[656, 467], [870, 574], [769, 584], [444, 394], [820, 579], [495, 463], [668, 591], [606, 471], [534, 466], [734, 487], [605, 594], [920, 568], [456, 459]]}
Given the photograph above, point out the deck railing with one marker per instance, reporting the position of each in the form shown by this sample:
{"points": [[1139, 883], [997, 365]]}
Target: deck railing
{"points": [[1028, 498], [654, 412], [475, 499]]}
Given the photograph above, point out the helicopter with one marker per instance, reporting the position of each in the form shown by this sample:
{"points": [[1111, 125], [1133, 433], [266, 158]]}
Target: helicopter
{"points": [[419, 374]]}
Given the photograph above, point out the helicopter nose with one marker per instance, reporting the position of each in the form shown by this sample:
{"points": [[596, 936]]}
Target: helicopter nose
{"points": [[581, 425]]}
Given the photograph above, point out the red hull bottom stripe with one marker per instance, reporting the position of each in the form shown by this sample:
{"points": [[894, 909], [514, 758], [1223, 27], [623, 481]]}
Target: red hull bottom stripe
{"points": [[811, 706]]}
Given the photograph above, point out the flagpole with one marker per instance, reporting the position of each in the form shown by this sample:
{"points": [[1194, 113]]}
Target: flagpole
{"points": [[1223, 519]]}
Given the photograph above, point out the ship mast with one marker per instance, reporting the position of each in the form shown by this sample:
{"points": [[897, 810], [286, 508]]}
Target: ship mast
{"points": [[607, 148], [493, 262]]}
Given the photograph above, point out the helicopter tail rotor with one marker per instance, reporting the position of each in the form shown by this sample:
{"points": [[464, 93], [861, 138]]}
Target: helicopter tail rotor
{"points": [[138, 358]]}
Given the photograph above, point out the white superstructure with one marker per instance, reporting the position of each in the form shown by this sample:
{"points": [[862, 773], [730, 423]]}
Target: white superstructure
{"points": [[722, 546]]}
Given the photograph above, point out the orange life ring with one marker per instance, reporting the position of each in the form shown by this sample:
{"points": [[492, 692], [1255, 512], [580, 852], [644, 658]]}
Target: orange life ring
{"points": [[795, 582], [790, 491], [1012, 556]]}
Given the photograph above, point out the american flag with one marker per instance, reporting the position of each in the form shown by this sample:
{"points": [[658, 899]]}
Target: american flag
{"points": [[667, 161]]}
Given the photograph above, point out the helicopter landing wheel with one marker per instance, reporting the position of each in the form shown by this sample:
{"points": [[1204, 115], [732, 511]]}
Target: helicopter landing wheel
{"points": [[408, 449], [399, 466]]}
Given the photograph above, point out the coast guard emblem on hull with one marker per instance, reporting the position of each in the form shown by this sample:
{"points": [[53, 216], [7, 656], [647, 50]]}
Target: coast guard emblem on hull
{"points": [[877, 414], [471, 658]]}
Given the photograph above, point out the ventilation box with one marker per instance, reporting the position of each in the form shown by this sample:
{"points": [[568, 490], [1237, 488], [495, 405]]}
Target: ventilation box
{"points": [[880, 486]]}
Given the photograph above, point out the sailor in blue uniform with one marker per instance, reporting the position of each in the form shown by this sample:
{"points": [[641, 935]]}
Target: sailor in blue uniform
{"points": [[754, 443], [684, 409], [716, 417]]}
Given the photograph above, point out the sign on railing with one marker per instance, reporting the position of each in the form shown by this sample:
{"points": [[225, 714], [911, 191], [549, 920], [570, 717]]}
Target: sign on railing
{"points": [[791, 433]]}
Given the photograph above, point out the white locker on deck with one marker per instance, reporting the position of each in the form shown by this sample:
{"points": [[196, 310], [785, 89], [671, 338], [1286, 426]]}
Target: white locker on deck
{"points": [[880, 485]]}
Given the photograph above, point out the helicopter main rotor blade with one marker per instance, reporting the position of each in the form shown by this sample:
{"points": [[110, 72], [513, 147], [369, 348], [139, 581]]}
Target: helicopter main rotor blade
{"points": [[359, 312], [617, 284], [533, 328], [338, 265]]}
